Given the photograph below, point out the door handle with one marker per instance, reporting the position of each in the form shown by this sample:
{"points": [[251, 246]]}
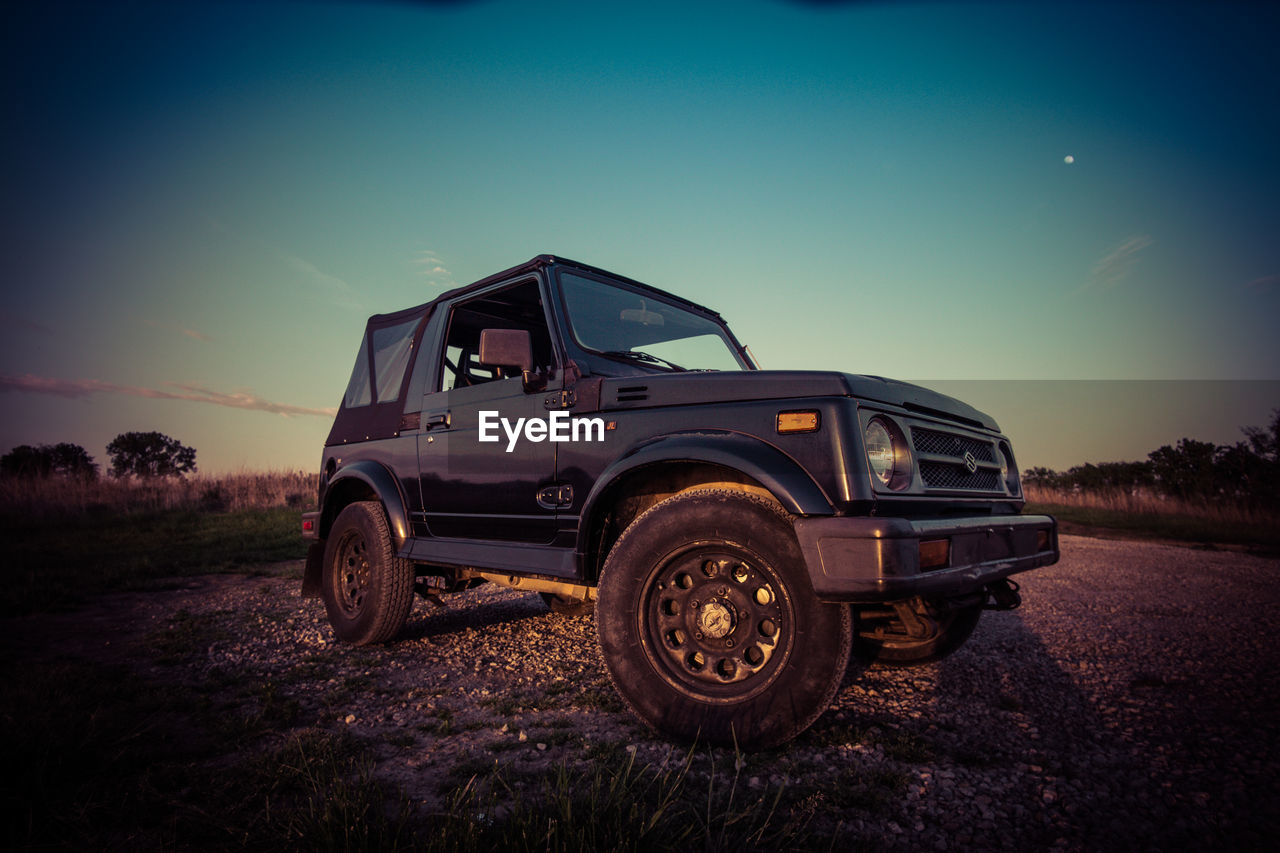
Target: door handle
{"points": [[432, 421]]}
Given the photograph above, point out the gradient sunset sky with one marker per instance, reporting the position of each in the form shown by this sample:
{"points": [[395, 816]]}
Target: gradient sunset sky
{"points": [[1031, 206]]}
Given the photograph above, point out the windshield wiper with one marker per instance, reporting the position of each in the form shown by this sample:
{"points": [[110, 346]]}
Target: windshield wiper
{"points": [[636, 355]]}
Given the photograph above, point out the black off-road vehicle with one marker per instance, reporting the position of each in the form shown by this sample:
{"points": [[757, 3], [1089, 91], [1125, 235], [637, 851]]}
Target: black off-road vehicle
{"points": [[561, 429]]}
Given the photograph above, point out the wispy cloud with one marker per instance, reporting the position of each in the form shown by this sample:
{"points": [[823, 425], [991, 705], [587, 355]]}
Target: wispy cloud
{"points": [[76, 388], [342, 293], [1116, 265], [182, 330], [1266, 284], [434, 269], [14, 322]]}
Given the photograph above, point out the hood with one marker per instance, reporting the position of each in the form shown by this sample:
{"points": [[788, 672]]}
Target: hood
{"points": [[675, 389]]}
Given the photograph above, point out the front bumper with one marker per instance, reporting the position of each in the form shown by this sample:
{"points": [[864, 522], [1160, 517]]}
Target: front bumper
{"points": [[879, 559]]}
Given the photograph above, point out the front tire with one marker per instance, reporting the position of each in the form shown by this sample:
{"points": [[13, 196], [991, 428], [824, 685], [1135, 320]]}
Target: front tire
{"points": [[710, 627], [367, 589]]}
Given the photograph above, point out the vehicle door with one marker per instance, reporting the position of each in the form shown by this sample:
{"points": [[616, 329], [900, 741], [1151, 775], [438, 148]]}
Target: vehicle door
{"points": [[496, 489]]}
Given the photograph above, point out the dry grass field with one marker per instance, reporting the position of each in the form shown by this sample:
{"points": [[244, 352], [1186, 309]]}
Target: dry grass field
{"points": [[1147, 515], [60, 496]]}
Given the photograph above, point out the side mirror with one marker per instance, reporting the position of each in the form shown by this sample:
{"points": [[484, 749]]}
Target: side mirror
{"points": [[508, 348]]}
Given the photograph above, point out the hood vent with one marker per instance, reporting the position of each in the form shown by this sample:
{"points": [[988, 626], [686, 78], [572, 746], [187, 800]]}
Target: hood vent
{"points": [[633, 393]]}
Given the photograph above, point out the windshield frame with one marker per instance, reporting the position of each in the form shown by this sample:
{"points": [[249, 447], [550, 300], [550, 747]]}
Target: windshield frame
{"points": [[734, 346]]}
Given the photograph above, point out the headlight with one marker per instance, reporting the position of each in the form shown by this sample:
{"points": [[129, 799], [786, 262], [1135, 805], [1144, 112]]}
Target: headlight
{"points": [[880, 451], [887, 454], [1008, 472]]}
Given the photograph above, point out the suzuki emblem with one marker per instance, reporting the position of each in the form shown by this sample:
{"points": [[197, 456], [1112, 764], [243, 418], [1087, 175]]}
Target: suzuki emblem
{"points": [[970, 462]]}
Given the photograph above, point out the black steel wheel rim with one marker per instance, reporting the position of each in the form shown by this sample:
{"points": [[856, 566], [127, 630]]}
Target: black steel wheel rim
{"points": [[351, 573], [717, 622]]}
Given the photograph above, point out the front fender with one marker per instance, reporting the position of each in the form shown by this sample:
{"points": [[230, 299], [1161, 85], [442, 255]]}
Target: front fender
{"points": [[762, 462]]}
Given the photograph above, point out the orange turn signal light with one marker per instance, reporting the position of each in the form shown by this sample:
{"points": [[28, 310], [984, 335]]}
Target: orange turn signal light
{"points": [[797, 422], [935, 553], [1042, 540]]}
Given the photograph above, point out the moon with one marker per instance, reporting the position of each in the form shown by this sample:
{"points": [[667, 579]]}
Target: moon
{"points": [[1069, 159]]}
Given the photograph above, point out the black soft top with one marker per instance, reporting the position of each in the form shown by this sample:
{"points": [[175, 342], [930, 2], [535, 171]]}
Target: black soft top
{"points": [[536, 263], [383, 418]]}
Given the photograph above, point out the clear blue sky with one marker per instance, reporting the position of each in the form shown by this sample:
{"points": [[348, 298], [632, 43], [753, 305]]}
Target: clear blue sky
{"points": [[203, 202]]}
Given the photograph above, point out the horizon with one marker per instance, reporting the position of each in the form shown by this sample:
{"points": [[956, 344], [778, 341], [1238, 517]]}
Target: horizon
{"points": [[1024, 411]]}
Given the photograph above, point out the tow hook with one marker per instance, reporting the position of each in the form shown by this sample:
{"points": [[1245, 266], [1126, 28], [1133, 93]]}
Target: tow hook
{"points": [[1005, 593]]}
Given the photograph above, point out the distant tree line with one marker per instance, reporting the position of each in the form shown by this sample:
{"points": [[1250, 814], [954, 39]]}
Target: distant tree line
{"points": [[146, 455], [1191, 470]]}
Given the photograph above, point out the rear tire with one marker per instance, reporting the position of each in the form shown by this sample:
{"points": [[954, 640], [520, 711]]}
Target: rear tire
{"points": [[367, 589], [886, 642], [710, 627]]}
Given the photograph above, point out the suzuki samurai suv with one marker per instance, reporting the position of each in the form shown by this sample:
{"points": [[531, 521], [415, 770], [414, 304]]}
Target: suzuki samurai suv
{"points": [[742, 532]]}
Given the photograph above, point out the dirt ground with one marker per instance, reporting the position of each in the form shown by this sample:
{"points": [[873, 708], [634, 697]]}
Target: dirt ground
{"points": [[1130, 703]]}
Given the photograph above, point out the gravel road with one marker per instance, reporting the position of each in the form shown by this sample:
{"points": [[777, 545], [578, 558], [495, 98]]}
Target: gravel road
{"points": [[1130, 703]]}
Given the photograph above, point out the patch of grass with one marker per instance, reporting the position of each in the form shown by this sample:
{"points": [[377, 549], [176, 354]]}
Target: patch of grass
{"points": [[908, 748], [440, 722], [185, 636], [54, 564], [463, 773], [600, 699], [507, 744], [554, 736], [271, 710], [512, 702], [359, 683], [561, 723], [312, 669], [505, 704], [108, 761], [604, 751], [617, 805], [558, 687], [325, 798]]}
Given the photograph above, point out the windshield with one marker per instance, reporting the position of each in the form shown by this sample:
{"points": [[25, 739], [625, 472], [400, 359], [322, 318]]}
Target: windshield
{"points": [[638, 327]]}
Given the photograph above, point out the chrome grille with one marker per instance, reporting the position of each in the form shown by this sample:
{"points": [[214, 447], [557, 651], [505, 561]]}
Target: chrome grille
{"points": [[950, 444], [946, 459]]}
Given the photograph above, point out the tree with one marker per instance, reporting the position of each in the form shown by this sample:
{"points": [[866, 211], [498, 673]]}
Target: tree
{"points": [[149, 454], [64, 459], [1266, 440], [1041, 476], [1187, 471]]}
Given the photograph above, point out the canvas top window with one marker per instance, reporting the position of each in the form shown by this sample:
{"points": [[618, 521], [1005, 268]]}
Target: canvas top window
{"points": [[517, 307], [378, 375]]}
